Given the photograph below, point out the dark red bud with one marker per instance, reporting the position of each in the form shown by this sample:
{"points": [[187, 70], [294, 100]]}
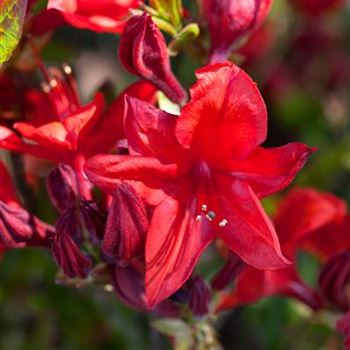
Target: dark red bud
{"points": [[129, 285], [334, 281], [69, 257], [343, 326], [200, 297], [232, 268], [62, 187], [94, 221], [143, 52], [230, 20], [126, 227], [69, 221], [18, 228]]}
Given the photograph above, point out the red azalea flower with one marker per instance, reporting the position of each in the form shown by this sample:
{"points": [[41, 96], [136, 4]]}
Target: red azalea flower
{"points": [[98, 16], [230, 20], [76, 131], [303, 221], [18, 228], [316, 7], [209, 172]]}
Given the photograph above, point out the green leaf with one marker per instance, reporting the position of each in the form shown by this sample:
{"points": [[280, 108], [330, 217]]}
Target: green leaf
{"points": [[184, 38], [169, 10], [12, 13], [176, 329]]}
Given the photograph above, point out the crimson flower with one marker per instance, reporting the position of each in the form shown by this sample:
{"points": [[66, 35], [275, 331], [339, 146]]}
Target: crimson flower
{"points": [[306, 219], [71, 132], [230, 20], [207, 172], [18, 228], [98, 16], [316, 7]]}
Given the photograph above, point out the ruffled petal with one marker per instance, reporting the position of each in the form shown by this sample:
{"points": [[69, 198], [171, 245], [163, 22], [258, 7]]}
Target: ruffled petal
{"points": [[52, 135], [110, 127], [269, 170], [303, 211], [248, 232], [253, 285], [105, 170], [151, 131], [174, 243], [226, 117], [12, 142]]}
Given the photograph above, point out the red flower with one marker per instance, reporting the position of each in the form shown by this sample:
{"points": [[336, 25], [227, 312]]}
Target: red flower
{"points": [[98, 16], [208, 169], [74, 132], [303, 220], [18, 228], [230, 20], [316, 7], [143, 52]]}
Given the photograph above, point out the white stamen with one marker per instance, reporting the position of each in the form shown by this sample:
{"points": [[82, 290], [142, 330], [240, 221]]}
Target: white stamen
{"points": [[53, 83], [204, 207], [67, 69], [198, 218], [45, 87], [223, 223]]}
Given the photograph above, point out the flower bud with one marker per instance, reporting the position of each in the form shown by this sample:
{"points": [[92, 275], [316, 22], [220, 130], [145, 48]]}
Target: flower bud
{"points": [[126, 227], [129, 285], [69, 257], [200, 297], [230, 20], [143, 52], [18, 228], [62, 186], [94, 221], [14, 226], [334, 281], [69, 221]]}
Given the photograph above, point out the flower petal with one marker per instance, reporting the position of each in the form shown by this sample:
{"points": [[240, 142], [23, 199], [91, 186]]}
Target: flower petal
{"points": [[253, 285], [7, 191], [249, 232], [226, 117], [52, 135], [106, 170], [268, 170], [10, 141], [303, 211], [151, 131], [174, 243], [109, 128]]}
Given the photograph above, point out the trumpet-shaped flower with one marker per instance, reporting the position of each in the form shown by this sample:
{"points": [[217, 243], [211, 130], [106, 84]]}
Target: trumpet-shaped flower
{"points": [[206, 171]]}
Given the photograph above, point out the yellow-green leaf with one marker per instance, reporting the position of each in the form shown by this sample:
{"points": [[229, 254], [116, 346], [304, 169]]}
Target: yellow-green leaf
{"points": [[169, 10], [12, 13]]}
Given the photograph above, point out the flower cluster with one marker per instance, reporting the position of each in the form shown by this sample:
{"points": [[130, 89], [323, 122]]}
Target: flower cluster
{"points": [[142, 192]]}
